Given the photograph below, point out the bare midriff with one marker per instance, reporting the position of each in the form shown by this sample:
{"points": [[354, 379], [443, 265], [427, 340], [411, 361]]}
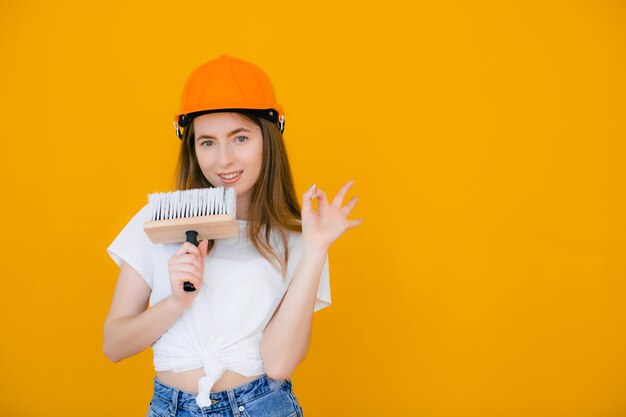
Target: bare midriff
{"points": [[188, 380]]}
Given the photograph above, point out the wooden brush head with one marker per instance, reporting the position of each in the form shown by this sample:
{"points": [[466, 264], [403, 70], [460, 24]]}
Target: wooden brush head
{"points": [[208, 211], [208, 227]]}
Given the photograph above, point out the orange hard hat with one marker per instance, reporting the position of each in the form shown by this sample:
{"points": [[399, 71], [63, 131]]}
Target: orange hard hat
{"points": [[227, 83]]}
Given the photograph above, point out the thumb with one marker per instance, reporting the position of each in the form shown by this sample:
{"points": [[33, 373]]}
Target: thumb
{"points": [[203, 249], [307, 203]]}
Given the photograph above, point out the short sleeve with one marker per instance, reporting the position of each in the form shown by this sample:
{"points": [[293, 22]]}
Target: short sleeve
{"points": [[323, 290], [133, 246]]}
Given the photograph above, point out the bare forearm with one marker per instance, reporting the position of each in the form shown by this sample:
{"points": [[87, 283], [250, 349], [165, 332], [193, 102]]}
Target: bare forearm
{"points": [[286, 338], [127, 336]]}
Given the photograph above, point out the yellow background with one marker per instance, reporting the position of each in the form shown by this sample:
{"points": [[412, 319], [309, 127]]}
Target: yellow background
{"points": [[487, 141]]}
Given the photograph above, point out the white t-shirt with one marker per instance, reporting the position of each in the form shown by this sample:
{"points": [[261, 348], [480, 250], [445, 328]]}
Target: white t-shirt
{"points": [[222, 328]]}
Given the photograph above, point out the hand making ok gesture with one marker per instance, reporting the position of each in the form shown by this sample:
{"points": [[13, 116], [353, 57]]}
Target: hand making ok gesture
{"points": [[322, 227]]}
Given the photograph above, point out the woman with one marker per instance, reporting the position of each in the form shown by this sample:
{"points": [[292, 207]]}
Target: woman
{"points": [[228, 348]]}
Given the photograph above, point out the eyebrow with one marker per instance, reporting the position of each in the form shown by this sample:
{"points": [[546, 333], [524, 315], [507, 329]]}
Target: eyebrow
{"points": [[241, 129]]}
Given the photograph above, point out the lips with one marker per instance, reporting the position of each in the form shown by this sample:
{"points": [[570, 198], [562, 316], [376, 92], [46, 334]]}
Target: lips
{"points": [[231, 180], [228, 173]]}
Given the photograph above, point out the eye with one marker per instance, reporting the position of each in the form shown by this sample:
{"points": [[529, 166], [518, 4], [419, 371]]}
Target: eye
{"points": [[206, 141], [241, 141]]}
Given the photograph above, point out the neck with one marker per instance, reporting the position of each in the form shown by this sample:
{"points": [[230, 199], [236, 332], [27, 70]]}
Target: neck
{"points": [[243, 204]]}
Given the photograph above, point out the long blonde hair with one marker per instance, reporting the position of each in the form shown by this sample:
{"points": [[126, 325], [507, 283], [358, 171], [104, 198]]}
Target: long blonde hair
{"points": [[273, 205]]}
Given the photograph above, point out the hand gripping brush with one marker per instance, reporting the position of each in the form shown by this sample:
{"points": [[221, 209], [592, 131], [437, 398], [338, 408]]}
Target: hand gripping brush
{"points": [[192, 215]]}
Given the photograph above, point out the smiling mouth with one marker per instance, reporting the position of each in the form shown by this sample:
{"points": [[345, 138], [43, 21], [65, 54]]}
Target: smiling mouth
{"points": [[231, 176]]}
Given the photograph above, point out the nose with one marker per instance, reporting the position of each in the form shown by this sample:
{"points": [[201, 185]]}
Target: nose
{"points": [[225, 156]]}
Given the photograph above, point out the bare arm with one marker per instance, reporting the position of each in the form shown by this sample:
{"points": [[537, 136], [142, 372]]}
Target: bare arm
{"points": [[286, 339], [129, 328]]}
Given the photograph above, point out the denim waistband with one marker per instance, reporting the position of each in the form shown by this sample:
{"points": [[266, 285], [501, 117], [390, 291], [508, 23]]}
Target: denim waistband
{"points": [[221, 399]]}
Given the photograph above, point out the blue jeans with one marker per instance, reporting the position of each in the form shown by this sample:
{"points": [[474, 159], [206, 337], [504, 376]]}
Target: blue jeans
{"points": [[261, 397]]}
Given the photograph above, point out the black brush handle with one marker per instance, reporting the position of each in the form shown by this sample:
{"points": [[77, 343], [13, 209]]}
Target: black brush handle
{"points": [[192, 237]]}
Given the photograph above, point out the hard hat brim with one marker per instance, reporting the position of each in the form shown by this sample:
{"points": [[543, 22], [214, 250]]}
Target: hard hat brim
{"points": [[269, 114], [273, 115]]}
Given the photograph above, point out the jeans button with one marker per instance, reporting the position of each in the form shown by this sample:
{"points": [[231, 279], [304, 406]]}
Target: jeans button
{"points": [[241, 408]]}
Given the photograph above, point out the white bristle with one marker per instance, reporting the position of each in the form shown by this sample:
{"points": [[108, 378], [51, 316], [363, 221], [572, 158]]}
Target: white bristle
{"points": [[192, 203]]}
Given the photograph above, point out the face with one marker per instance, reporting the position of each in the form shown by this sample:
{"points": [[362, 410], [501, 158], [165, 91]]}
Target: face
{"points": [[228, 144]]}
